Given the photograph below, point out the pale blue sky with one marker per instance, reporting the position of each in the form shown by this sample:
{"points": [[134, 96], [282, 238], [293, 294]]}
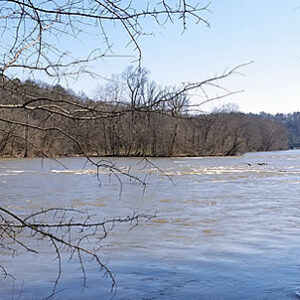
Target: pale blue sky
{"points": [[267, 32]]}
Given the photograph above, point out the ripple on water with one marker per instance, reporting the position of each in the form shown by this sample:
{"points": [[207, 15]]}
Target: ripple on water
{"points": [[224, 229]]}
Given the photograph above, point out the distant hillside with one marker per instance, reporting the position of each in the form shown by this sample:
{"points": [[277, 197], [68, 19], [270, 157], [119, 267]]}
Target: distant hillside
{"points": [[291, 122], [52, 121]]}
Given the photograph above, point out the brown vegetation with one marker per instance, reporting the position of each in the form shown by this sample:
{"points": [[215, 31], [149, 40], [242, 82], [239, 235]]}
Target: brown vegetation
{"points": [[42, 120], [134, 118]]}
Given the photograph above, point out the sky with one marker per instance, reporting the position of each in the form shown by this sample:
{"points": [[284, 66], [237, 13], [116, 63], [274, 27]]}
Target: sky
{"points": [[266, 32]]}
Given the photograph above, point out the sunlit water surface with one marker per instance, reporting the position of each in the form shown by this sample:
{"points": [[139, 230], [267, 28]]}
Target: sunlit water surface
{"points": [[226, 228]]}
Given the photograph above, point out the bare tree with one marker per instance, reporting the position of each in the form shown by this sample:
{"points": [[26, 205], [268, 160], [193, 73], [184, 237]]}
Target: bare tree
{"points": [[32, 34], [31, 44]]}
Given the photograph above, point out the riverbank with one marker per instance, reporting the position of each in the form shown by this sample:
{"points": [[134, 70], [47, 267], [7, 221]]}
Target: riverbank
{"points": [[93, 155]]}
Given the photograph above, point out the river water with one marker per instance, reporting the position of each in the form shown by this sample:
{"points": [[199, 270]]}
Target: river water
{"points": [[225, 227]]}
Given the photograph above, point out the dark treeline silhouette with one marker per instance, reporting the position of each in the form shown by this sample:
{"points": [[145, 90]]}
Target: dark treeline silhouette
{"points": [[136, 118], [291, 121]]}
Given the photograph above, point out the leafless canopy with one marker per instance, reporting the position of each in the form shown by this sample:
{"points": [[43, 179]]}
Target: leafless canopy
{"points": [[35, 32], [36, 43], [40, 41]]}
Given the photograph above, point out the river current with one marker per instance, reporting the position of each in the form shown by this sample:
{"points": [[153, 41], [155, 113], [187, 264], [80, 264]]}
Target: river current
{"points": [[225, 227]]}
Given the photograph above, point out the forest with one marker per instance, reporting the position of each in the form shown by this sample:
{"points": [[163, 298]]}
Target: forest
{"points": [[292, 123], [131, 115]]}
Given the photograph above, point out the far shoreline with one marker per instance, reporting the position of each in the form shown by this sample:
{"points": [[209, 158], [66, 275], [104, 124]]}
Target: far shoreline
{"points": [[54, 157]]}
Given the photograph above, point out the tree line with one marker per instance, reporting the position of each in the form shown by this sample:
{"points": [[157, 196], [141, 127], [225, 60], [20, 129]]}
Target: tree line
{"points": [[130, 116], [292, 123], [39, 39]]}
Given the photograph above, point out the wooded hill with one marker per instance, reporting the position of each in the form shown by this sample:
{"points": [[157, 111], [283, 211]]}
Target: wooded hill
{"points": [[291, 122], [142, 121]]}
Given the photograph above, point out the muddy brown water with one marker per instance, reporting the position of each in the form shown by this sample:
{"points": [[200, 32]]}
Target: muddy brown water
{"points": [[226, 227]]}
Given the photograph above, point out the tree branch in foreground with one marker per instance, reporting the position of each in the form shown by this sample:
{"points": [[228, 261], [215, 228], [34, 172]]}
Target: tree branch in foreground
{"points": [[81, 238]]}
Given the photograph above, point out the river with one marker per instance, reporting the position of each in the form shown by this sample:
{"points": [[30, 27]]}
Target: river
{"points": [[225, 227]]}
